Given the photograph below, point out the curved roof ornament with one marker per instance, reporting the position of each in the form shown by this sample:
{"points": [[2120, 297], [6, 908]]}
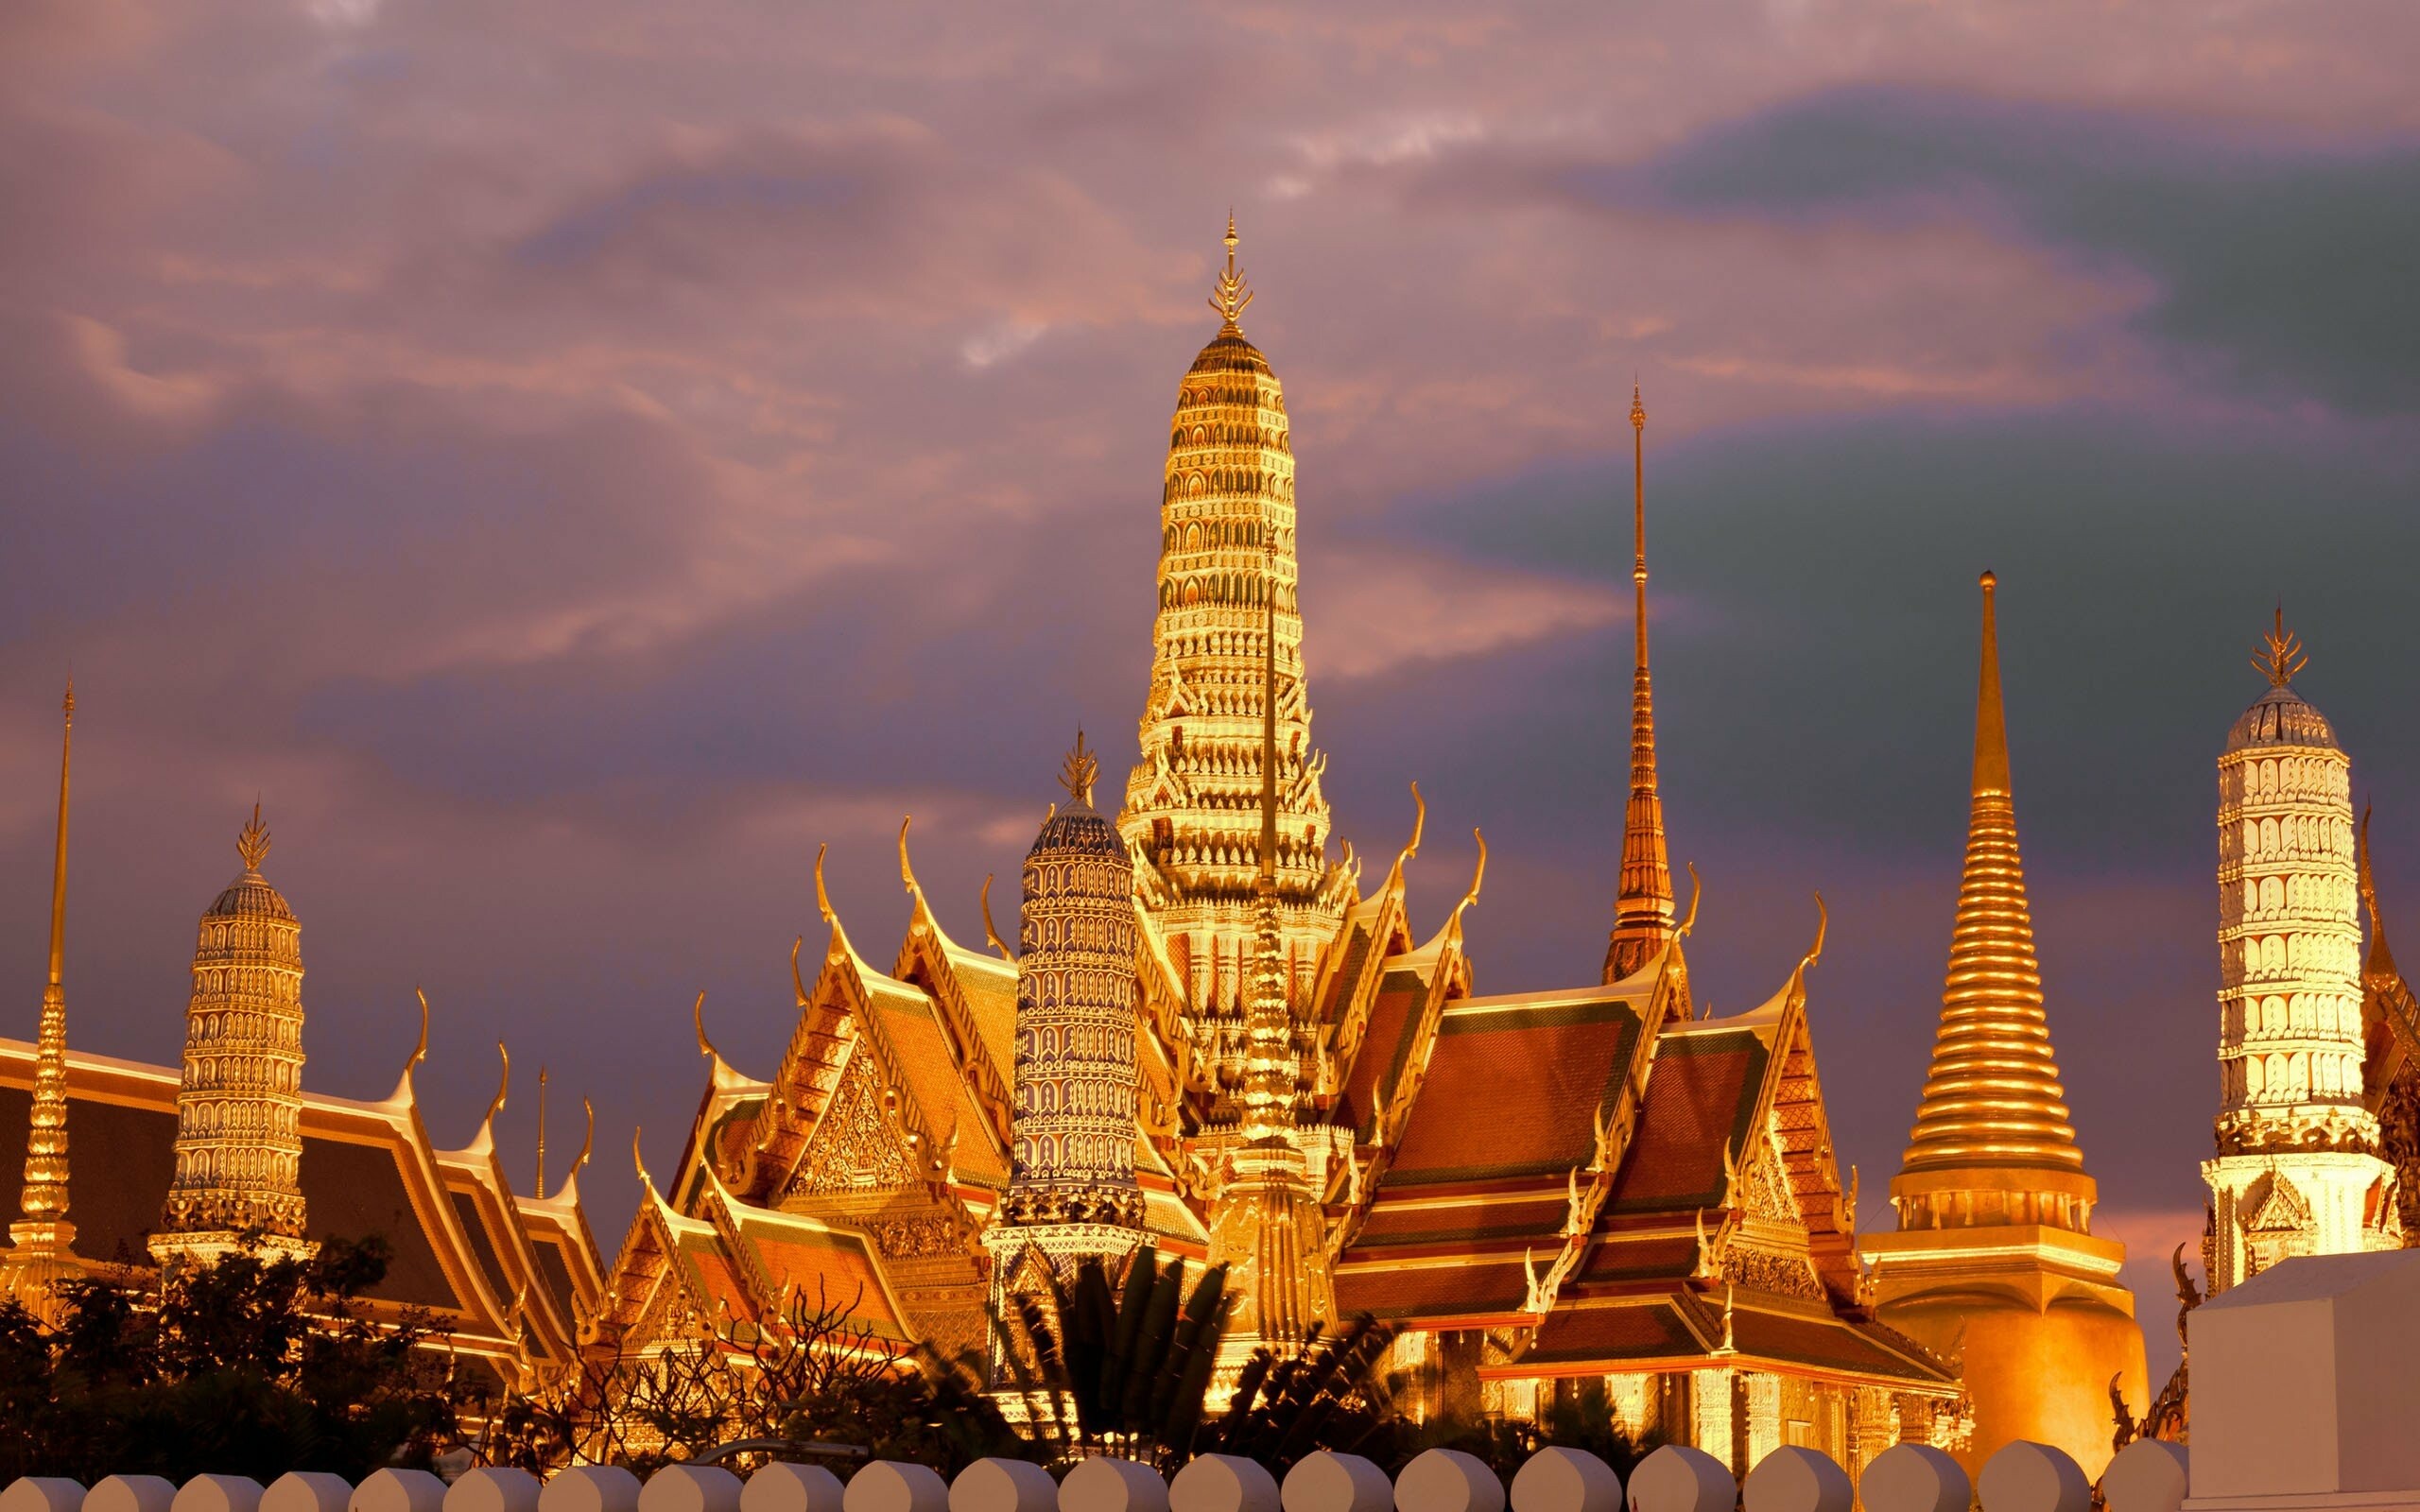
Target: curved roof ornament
{"points": [[1412, 846], [1479, 874], [587, 1142], [1823, 926], [823, 899], [798, 982], [503, 1085], [402, 1092], [990, 933], [638, 1162], [1696, 890], [706, 1046], [907, 873]]}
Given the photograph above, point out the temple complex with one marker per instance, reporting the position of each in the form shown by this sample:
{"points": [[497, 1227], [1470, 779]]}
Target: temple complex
{"points": [[231, 1152], [1648, 1210], [2298, 1169], [1995, 1265]]}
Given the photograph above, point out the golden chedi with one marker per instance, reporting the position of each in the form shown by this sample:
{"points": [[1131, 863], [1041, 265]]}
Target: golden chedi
{"points": [[1995, 1263], [42, 1242], [239, 1138]]}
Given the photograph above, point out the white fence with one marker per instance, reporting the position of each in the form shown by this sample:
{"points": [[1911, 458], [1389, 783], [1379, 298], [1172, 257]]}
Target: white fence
{"points": [[2146, 1477]]}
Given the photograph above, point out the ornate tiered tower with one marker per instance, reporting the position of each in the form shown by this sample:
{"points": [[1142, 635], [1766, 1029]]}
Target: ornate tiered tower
{"points": [[1994, 1263], [2298, 1170], [1193, 803], [1072, 1190], [239, 1139], [1643, 913], [41, 1240]]}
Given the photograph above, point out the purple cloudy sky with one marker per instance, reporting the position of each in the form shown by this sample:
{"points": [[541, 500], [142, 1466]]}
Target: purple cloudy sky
{"points": [[570, 458]]}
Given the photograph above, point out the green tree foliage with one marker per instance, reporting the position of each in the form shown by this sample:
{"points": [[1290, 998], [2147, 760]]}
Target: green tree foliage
{"points": [[1133, 1361], [251, 1366]]}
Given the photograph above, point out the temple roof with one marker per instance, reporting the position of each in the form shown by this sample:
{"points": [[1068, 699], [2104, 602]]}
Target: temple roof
{"points": [[464, 1247]]}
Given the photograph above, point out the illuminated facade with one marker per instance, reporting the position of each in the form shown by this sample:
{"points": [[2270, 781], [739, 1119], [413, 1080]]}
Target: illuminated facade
{"points": [[1549, 1194], [1072, 1192], [1995, 1263], [2298, 1170], [513, 1283], [239, 1107]]}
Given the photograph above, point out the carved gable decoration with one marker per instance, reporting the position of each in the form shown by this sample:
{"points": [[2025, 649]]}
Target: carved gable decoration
{"points": [[856, 1146], [1764, 1192]]}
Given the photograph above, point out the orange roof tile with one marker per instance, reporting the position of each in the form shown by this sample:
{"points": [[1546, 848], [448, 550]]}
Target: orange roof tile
{"points": [[1701, 1095], [1516, 1089]]}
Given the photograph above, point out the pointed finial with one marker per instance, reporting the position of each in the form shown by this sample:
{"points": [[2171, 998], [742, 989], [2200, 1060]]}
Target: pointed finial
{"points": [[1231, 296], [822, 898], [2281, 654], [252, 843], [1991, 724], [538, 1188], [698, 1016], [1078, 773], [1637, 407], [68, 708], [638, 1160]]}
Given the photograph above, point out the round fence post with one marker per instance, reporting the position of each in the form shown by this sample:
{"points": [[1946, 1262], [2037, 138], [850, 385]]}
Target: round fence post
{"points": [[2029, 1477], [1915, 1478], [1003, 1485], [1325, 1481], [42, 1493], [1107, 1485], [493, 1488], [783, 1486], [1223, 1482], [130, 1493], [895, 1486], [2148, 1475], [1565, 1480], [1677, 1478], [690, 1488], [590, 1489], [1796, 1479], [1447, 1480], [307, 1491], [218, 1493], [396, 1490]]}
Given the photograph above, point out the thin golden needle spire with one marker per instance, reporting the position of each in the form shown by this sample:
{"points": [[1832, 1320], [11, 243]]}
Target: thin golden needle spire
{"points": [[1994, 1096], [1269, 1076], [540, 1189], [1643, 912], [44, 1227]]}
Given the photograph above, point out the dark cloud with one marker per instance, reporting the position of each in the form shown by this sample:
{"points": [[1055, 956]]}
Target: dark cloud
{"points": [[2280, 264]]}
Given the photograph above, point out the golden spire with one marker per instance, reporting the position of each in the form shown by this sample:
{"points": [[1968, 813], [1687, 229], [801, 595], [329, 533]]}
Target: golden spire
{"points": [[1230, 296], [2281, 653], [252, 843], [1078, 773], [1993, 1097], [1268, 1066], [540, 1188], [1643, 911], [44, 1227]]}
